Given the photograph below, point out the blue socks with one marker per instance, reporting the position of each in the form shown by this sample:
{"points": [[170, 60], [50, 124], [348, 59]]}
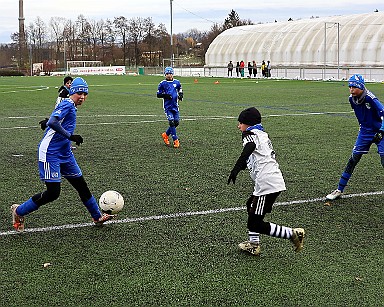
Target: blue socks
{"points": [[344, 181], [26, 207], [93, 208], [172, 131]]}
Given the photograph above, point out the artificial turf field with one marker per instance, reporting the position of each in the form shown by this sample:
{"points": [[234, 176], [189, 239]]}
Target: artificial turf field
{"points": [[175, 242]]}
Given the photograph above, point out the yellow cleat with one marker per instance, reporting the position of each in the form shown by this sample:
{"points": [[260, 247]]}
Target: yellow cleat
{"points": [[297, 238], [250, 247]]}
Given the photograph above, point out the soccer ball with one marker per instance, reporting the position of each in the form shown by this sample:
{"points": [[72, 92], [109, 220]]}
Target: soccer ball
{"points": [[111, 202]]}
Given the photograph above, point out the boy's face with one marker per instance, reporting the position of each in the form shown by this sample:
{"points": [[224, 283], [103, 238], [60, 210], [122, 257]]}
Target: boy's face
{"points": [[169, 77], [242, 127], [68, 84], [78, 98], [355, 92]]}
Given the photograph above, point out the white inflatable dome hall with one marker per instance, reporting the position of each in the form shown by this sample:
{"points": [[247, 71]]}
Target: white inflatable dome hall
{"points": [[355, 40]]}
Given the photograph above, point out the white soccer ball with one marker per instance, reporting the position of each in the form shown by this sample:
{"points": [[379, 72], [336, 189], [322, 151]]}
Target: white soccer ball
{"points": [[111, 202]]}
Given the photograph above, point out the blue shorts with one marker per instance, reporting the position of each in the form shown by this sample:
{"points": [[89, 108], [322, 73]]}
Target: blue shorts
{"points": [[364, 142], [172, 115], [52, 171]]}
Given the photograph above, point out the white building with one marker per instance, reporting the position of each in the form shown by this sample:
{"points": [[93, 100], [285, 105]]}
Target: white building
{"points": [[338, 41]]}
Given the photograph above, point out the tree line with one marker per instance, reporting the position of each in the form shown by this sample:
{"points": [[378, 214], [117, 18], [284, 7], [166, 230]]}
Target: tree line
{"points": [[129, 42]]}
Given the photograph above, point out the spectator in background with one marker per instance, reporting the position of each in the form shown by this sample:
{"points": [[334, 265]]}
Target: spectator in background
{"points": [[250, 68], [237, 69], [242, 65], [230, 68], [254, 69], [263, 69]]}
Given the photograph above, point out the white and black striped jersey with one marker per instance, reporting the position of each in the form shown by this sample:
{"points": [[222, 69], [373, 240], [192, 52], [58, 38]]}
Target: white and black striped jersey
{"points": [[262, 164]]}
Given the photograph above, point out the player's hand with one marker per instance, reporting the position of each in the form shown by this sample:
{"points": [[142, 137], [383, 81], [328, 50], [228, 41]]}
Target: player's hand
{"points": [[180, 96], [168, 96], [232, 176], [76, 138], [378, 136], [43, 123]]}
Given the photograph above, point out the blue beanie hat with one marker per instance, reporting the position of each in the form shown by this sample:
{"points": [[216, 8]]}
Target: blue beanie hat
{"points": [[168, 70], [78, 85], [356, 81]]}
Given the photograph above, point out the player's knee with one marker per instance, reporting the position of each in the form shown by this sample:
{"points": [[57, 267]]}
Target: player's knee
{"points": [[352, 162], [52, 193], [355, 158], [171, 123], [176, 123]]}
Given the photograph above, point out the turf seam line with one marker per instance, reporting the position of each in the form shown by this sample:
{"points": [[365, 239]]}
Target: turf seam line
{"points": [[176, 215]]}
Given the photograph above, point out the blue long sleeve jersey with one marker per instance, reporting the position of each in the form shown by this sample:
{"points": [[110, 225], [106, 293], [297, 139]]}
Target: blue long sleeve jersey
{"points": [[55, 145], [369, 111], [172, 88]]}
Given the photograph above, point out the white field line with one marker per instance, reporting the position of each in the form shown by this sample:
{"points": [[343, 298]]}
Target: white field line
{"points": [[178, 215], [184, 118]]}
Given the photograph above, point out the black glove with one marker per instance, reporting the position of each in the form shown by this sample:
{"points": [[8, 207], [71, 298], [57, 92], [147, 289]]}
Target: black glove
{"points": [[180, 96], [43, 123], [76, 138], [233, 175], [378, 136]]}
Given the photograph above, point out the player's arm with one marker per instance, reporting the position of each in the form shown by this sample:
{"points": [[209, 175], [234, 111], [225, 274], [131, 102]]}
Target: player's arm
{"points": [[54, 124], [380, 134], [180, 93], [241, 162], [161, 92]]}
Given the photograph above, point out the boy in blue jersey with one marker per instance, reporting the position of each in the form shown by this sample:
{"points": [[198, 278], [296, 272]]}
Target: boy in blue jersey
{"points": [[56, 160], [369, 113], [171, 92], [63, 93]]}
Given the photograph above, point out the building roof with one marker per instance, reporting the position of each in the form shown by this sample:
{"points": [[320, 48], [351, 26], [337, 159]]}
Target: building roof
{"points": [[354, 40]]}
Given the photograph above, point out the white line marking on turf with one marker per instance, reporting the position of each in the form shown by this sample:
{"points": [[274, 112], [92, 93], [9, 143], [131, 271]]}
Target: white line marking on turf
{"points": [[185, 118], [176, 215]]}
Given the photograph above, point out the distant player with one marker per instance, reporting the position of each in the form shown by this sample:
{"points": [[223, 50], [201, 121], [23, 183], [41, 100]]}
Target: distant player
{"points": [[64, 89], [171, 92], [369, 113], [63, 93], [56, 160], [259, 157]]}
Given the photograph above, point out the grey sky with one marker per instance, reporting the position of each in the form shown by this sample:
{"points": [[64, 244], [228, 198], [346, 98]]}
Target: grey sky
{"points": [[187, 14]]}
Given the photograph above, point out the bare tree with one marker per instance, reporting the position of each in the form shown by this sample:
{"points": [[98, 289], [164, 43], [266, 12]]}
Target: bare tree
{"points": [[121, 26], [83, 36], [110, 40], [96, 33], [57, 25], [149, 38], [136, 30]]}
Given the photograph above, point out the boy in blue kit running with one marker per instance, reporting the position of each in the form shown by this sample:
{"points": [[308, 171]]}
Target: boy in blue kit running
{"points": [[56, 160], [171, 92], [369, 113]]}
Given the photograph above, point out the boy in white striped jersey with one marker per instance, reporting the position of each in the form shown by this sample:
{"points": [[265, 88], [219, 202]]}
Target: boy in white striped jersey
{"points": [[259, 157]]}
